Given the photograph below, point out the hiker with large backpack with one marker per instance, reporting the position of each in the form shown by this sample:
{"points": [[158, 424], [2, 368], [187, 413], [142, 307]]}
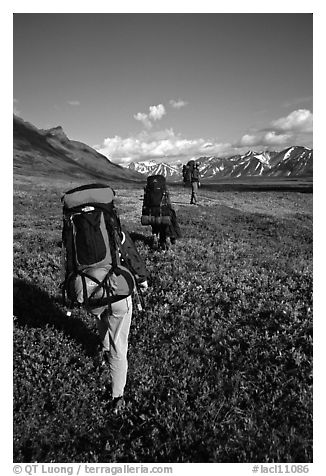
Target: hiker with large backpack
{"points": [[103, 270], [157, 211], [187, 171], [195, 183]]}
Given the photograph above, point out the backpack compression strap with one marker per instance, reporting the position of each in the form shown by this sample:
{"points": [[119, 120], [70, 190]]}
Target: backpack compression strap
{"points": [[107, 291]]}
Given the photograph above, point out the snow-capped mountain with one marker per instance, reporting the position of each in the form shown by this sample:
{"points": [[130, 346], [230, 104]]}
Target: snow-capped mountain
{"points": [[291, 162], [294, 161], [144, 167], [249, 164], [150, 167]]}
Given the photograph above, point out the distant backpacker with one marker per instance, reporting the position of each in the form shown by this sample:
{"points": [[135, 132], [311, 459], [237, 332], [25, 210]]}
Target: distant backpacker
{"points": [[92, 241], [187, 172], [156, 202], [157, 212]]}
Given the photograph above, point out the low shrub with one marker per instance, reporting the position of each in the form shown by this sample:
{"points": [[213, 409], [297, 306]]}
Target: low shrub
{"points": [[220, 362]]}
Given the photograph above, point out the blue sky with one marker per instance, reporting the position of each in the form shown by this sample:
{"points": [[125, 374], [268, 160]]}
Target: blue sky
{"points": [[167, 86]]}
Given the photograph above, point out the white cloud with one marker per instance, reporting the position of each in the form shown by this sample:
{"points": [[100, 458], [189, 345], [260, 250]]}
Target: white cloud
{"points": [[161, 146], [272, 138], [156, 112], [300, 120], [261, 139], [264, 139], [248, 140], [73, 103], [142, 117], [165, 145], [294, 129], [178, 104]]}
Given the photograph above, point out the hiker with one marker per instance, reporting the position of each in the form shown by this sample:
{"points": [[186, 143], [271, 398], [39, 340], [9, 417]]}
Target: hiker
{"points": [[158, 212], [102, 270], [195, 183], [113, 324], [187, 171]]}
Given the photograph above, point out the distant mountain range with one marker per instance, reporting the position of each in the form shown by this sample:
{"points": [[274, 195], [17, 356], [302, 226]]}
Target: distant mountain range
{"points": [[150, 167], [294, 161], [49, 152]]}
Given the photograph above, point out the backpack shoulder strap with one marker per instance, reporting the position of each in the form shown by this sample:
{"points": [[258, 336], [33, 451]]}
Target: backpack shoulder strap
{"points": [[112, 224]]}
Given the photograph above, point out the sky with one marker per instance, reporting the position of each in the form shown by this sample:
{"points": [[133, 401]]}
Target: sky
{"points": [[173, 86], [167, 86]]}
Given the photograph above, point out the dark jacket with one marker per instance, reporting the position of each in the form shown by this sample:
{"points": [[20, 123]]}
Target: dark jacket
{"points": [[195, 175]]}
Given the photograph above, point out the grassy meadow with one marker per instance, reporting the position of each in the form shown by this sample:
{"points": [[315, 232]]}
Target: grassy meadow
{"points": [[220, 362]]}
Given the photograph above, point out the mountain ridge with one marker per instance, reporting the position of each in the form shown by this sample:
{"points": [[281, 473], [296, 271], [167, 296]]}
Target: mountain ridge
{"points": [[50, 152], [294, 161]]}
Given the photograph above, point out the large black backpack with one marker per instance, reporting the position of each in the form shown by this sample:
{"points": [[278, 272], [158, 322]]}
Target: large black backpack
{"points": [[91, 238], [156, 203], [187, 171]]}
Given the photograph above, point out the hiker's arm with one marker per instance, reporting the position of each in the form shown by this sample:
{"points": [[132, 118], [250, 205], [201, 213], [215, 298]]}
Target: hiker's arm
{"points": [[133, 259], [145, 199]]}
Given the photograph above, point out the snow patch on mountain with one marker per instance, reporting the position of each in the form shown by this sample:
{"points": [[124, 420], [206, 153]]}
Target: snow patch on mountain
{"points": [[292, 161]]}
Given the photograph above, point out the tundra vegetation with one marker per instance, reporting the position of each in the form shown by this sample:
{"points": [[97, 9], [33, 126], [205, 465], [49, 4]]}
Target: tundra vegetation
{"points": [[220, 362]]}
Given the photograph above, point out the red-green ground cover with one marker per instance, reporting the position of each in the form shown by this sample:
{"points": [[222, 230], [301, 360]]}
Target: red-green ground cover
{"points": [[220, 362]]}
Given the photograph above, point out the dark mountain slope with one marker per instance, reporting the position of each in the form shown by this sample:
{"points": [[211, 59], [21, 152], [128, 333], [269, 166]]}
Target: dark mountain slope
{"points": [[52, 153]]}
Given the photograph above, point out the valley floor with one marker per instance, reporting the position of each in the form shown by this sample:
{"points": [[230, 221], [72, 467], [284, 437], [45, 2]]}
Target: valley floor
{"points": [[220, 362]]}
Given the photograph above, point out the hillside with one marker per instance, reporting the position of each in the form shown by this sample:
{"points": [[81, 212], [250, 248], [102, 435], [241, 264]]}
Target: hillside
{"points": [[42, 152]]}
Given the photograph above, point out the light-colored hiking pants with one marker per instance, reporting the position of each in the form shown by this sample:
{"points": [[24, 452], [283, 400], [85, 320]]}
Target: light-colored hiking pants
{"points": [[114, 328], [194, 190]]}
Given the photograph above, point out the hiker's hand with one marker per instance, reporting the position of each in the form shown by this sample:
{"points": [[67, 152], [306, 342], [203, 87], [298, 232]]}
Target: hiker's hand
{"points": [[143, 286]]}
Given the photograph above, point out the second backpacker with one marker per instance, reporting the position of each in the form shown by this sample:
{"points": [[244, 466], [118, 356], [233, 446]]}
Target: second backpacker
{"points": [[157, 212], [156, 203]]}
